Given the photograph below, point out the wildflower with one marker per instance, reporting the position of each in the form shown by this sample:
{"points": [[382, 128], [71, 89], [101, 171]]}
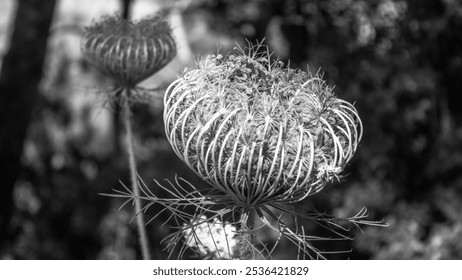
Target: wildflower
{"points": [[263, 137], [129, 52], [258, 132]]}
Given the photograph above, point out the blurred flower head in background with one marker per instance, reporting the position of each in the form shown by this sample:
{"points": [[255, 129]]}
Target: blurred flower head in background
{"points": [[126, 51]]}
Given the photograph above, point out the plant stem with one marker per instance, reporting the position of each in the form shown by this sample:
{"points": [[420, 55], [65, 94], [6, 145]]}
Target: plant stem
{"points": [[143, 240], [246, 248]]}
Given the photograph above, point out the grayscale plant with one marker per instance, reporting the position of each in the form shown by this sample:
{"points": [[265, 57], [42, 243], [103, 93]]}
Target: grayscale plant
{"points": [[128, 53], [264, 137]]}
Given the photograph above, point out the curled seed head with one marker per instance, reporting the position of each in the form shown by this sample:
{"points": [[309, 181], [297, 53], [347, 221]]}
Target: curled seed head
{"points": [[257, 131], [129, 52]]}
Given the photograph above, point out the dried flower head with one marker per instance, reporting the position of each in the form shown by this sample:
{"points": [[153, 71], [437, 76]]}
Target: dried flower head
{"points": [[264, 137], [257, 131], [129, 52]]}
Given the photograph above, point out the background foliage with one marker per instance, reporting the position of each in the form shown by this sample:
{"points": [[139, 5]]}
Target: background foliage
{"points": [[400, 62]]}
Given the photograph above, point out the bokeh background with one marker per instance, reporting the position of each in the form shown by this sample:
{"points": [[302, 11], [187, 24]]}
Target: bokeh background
{"points": [[398, 61]]}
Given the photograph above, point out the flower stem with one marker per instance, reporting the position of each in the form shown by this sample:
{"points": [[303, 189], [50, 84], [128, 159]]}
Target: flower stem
{"points": [[246, 248], [143, 240]]}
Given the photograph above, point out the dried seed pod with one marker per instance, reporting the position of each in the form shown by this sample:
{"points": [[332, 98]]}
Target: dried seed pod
{"points": [[257, 131], [129, 52]]}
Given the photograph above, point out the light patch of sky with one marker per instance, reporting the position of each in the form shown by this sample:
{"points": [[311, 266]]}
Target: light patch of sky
{"points": [[6, 12], [75, 12], [88, 10]]}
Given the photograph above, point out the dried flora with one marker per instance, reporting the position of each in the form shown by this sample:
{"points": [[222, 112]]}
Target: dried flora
{"points": [[260, 132], [126, 51], [264, 137]]}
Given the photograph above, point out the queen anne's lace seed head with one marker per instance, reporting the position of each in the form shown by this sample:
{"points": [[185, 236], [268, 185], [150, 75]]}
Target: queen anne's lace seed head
{"points": [[257, 131], [129, 52]]}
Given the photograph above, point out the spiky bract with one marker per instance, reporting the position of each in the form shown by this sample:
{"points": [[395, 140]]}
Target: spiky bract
{"points": [[257, 131]]}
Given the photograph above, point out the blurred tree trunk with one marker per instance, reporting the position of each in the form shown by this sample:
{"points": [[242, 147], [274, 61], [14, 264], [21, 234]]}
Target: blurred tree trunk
{"points": [[20, 75]]}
